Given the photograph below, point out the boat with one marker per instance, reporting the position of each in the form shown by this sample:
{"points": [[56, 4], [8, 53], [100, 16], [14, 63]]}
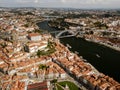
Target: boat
{"points": [[69, 46], [98, 55]]}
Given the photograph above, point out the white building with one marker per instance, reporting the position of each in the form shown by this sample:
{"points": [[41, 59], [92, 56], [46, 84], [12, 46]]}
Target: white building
{"points": [[34, 36], [35, 46]]}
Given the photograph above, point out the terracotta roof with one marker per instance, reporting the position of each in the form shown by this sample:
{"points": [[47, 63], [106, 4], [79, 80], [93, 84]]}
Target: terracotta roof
{"points": [[33, 34], [38, 86]]}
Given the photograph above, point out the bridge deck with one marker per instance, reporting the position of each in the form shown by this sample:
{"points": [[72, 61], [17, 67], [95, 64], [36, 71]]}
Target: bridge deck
{"points": [[65, 36]]}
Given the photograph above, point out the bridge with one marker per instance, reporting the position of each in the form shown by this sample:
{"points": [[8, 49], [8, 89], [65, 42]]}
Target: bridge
{"points": [[66, 33], [47, 18], [77, 32]]}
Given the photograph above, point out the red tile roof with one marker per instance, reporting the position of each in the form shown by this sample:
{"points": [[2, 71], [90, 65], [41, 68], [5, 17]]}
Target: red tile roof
{"points": [[38, 86], [33, 34]]}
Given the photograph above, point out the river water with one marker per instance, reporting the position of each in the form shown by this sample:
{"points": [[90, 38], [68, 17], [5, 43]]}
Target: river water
{"points": [[104, 59]]}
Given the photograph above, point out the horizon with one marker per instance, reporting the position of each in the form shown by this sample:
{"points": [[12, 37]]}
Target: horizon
{"points": [[66, 8], [77, 4]]}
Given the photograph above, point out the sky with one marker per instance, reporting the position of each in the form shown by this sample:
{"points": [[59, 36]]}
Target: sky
{"points": [[62, 3]]}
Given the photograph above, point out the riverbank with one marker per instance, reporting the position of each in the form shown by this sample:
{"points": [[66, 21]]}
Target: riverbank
{"points": [[103, 43]]}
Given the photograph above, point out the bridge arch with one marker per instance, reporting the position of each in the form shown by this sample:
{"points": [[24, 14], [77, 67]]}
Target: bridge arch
{"points": [[58, 34], [70, 31]]}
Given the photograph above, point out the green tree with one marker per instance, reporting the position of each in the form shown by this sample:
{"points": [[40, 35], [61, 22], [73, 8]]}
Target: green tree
{"points": [[43, 68], [100, 25], [26, 25], [3, 45], [38, 53]]}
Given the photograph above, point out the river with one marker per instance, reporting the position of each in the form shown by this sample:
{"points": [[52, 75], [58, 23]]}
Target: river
{"points": [[104, 59]]}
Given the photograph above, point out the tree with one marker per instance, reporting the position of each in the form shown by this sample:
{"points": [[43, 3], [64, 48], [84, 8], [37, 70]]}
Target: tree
{"points": [[3, 45], [43, 68], [100, 25], [50, 47], [54, 81], [97, 24], [50, 44], [26, 25], [38, 53]]}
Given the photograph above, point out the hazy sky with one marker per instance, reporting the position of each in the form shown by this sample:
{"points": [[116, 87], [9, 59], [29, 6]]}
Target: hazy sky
{"points": [[61, 3]]}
